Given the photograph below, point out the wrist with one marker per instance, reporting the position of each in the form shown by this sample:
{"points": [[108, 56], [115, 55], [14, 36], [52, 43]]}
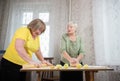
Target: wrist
{"points": [[78, 59], [70, 60], [43, 61]]}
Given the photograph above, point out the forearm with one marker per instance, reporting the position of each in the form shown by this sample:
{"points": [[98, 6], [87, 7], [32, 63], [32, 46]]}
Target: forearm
{"points": [[19, 46], [41, 58], [66, 55], [39, 55], [80, 57], [23, 54]]}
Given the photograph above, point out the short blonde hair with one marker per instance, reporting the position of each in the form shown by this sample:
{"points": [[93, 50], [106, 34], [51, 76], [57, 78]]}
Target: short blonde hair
{"points": [[36, 24]]}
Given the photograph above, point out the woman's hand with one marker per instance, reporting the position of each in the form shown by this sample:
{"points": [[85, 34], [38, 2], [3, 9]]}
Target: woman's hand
{"points": [[46, 62], [73, 61], [36, 64]]}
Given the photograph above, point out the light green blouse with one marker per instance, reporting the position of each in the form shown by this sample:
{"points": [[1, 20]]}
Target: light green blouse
{"points": [[73, 48]]}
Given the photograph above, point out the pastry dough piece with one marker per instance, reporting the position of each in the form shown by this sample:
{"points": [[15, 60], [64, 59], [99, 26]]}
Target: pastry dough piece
{"points": [[52, 67], [73, 65], [44, 65], [29, 66]]}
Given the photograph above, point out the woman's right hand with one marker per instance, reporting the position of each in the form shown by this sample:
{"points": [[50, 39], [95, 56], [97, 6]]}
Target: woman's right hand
{"points": [[36, 64], [46, 62], [73, 62]]}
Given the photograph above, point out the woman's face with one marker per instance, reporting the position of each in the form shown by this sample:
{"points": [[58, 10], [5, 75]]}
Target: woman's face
{"points": [[71, 29], [37, 32]]}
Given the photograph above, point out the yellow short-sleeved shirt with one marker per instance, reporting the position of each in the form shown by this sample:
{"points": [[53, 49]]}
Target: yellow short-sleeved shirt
{"points": [[31, 46]]}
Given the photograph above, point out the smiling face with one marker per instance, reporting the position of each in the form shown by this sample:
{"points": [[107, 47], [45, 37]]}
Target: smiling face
{"points": [[71, 29]]}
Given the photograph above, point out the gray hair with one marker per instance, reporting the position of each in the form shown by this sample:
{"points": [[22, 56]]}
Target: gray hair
{"points": [[72, 24]]}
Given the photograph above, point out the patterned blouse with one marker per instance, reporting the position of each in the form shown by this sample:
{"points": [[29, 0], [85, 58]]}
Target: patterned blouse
{"points": [[73, 48]]}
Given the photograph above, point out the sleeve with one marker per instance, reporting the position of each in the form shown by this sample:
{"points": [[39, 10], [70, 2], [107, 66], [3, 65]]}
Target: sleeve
{"points": [[81, 48], [22, 33], [39, 40], [63, 44]]}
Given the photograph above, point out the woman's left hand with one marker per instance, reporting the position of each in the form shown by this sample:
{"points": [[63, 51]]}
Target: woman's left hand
{"points": [[76, 60], [46, 62]]}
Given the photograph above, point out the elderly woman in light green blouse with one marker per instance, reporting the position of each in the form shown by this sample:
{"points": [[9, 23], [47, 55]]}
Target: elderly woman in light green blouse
{"points": [[71, 53]]}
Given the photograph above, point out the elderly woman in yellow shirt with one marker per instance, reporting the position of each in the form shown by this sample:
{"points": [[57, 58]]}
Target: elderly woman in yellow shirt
{"points": [[24, 43]]}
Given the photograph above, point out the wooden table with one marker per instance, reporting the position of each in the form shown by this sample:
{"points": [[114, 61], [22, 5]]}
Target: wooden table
{"points": [[89, 72]]}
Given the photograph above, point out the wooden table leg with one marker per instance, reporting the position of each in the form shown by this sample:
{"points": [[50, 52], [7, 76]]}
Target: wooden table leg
{"points": [[89, 75], [38, 76]]}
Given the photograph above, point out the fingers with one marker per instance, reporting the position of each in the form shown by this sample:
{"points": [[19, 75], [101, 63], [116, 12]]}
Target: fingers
{"points": [[46, 62], [73, 60], [43, 63], [49, 64], [37, 65]]}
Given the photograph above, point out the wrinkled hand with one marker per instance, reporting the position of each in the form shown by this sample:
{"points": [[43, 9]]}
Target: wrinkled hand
{"points": [[73, 62]]}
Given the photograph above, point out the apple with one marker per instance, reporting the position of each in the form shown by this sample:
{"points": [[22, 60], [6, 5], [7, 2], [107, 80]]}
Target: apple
{"points": [[66, 66], [85, 66], [58, 66], [78, 66]]}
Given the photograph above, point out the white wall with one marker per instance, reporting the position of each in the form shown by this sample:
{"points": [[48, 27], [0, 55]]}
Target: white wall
{"points": [[113, 32], [106, 31], [98, 25]]}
